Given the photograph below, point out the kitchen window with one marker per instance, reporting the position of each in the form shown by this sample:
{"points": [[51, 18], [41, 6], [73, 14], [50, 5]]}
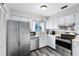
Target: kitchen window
{"points": [[38, 26]]}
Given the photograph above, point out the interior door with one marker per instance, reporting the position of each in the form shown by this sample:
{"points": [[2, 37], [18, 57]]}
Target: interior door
{"points": [[24, 38], [12, 38]]}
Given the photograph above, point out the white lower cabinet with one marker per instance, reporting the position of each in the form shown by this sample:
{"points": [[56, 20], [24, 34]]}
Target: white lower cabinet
{"points": [[42, 41], [51, 41], [34, 43], [75, 49]]}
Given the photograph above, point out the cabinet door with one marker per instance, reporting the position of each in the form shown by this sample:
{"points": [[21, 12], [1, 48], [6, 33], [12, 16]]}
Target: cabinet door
{"points": [[43, 41], [69, 19], [12, 38], [77, 21], [51, 41], [49, 24], [75, 48], [24, 31], [34, 44], [52, 24], [61, 20], [55, 24]]}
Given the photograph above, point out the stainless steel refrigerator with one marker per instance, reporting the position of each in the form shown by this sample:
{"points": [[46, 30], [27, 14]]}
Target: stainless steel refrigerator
{"points": [[18, 38]]}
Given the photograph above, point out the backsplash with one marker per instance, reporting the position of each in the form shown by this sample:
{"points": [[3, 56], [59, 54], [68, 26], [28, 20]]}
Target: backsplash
{"points": [[59, 32], [41, 33]]}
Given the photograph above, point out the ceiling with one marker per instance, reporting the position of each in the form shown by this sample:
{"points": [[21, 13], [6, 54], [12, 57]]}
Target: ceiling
{"points": [[52, 8]]}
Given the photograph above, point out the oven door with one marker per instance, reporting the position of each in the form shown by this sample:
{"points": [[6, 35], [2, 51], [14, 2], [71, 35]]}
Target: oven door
{"points": [[63, 48]]}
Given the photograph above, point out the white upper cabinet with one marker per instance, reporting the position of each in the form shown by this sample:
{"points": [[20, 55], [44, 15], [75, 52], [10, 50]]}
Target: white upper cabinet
{"points": [[66, 20], [51, 23], [55, 23], [48, 24], [32, 25], [77, 21], [69, 19], [61, 21]]}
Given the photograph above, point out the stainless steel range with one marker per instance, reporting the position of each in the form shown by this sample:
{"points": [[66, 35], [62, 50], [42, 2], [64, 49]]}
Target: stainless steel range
{"points": [[64, 45]]}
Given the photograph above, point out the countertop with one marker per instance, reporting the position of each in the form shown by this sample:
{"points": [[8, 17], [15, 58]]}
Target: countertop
{"points": [[36, 36], [76, 40], [73, 40]]}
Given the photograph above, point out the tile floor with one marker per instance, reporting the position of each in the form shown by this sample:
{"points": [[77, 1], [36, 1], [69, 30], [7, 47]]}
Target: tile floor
{"points": [[46, 51]]}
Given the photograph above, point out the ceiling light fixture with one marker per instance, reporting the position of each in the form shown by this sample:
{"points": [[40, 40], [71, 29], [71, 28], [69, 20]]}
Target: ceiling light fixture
{"points": [[64, 7], [43, 7]]}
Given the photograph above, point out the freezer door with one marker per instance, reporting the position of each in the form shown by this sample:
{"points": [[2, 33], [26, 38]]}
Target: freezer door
{"points": [[24, 29], [12, 38]]}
